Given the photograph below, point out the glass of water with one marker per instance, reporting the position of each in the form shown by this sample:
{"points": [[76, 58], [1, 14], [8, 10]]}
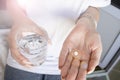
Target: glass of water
{"points": [[33, 46]]}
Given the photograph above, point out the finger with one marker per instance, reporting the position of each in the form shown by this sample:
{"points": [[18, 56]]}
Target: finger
{"points": [[82, 71], [65, 68], [94, 60], [73, 71], [20, 58], [63, 56], [15, 53], [39, 30], [44, 34]]}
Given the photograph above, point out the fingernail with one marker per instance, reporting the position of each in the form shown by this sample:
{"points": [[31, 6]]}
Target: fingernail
{"points": [[89, 72]]}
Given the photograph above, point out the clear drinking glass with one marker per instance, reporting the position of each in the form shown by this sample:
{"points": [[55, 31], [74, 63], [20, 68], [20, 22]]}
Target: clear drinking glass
{"points": [[33, 46]]}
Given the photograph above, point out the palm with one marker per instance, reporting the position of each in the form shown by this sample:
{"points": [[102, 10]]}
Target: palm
{"points": [[87, 41]]}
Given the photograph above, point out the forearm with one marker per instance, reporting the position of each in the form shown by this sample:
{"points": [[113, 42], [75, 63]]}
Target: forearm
{"points": [[18, 15], [90, 17]]}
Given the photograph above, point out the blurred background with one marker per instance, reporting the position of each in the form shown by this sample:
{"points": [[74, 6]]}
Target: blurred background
{"points": [[108, 27]]}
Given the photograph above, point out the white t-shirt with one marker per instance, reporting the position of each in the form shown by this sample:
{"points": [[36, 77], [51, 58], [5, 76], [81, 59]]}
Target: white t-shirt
{"points": [[58, 18]]}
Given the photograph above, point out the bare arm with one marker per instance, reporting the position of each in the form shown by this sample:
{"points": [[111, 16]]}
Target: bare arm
{"points": [[86, 41], [90, 17], [21, 23], [16, 11]]}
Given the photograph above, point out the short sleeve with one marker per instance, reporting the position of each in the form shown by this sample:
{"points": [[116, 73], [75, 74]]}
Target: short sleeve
{"points": [[100, 3]]}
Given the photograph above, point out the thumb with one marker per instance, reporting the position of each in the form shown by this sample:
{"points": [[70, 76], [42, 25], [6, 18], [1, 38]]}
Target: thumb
{"points": [[94, 60], [44, 33]]}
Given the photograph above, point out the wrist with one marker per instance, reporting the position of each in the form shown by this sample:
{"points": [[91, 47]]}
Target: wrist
{"points": [[88, 20], [91, 19]]}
